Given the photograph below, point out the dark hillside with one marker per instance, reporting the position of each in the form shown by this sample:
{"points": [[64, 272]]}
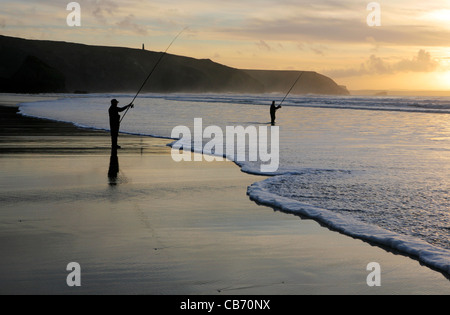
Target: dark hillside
{"points": [[34, 66]]}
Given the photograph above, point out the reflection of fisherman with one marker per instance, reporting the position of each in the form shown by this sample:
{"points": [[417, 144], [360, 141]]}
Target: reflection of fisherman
{"points": [[273, 110], [114, 121], [113, 170]]}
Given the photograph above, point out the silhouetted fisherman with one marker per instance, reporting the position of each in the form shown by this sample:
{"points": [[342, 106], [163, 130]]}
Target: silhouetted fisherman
{"points": [[114, 121], [273, 110]]}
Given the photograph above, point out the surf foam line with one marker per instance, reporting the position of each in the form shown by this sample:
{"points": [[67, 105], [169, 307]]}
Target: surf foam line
{"points": [[409, 105], [22, 113], [433, 257]]}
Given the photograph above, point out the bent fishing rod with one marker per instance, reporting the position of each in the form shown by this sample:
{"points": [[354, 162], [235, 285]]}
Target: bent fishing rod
{"points": [[301, 74], [151, 72]]}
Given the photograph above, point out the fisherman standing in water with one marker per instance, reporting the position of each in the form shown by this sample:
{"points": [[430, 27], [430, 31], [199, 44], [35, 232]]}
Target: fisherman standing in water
{"points": [[273, 110], [114, 121]]}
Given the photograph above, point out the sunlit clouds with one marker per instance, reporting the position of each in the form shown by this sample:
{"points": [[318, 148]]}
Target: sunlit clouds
{"points": [[331, 37]]}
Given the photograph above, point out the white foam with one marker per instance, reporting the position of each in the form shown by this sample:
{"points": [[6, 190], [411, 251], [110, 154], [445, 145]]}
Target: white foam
{"points": [[432, 256]]}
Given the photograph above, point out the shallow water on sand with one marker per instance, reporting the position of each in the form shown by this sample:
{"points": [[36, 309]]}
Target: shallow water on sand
{"points": [[375, 168]]}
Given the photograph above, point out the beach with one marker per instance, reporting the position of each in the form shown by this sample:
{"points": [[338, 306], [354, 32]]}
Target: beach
{"points": [[163, 228]]}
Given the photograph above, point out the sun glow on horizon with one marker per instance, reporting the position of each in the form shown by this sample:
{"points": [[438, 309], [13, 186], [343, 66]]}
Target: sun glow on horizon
{"points": [[439, 16], [443, 79]]}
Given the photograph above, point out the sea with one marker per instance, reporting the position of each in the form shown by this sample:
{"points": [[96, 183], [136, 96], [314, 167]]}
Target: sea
{"points": [[376, 168]]}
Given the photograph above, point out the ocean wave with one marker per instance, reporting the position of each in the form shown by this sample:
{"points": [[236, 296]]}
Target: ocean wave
{"points": [[408, 104], [430, 255]]}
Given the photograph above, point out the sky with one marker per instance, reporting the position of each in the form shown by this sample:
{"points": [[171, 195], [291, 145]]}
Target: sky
{"points": [[407, 50]]}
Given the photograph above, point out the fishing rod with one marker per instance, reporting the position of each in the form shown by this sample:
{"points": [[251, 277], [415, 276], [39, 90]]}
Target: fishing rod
{"points": [[301, 74], [153, 70]]}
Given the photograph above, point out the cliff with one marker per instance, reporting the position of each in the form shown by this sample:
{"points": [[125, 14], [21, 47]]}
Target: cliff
{"points": [[34, 66]]}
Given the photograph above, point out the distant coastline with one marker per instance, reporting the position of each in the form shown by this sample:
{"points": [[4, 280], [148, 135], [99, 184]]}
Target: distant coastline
{"points": [[38, 66]]}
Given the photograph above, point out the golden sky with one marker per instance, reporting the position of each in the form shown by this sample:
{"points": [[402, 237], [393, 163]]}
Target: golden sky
{"points": [[409, 50]]}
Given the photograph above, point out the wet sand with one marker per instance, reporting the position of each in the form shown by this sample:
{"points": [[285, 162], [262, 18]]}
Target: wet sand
{"points": [[163, 228]]}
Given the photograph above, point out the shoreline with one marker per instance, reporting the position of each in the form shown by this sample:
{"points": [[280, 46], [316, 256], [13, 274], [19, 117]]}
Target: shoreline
{"points": [[322, 251]]}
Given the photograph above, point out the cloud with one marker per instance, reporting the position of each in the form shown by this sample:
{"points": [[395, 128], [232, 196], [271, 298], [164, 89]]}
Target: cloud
{"points": [[263, 46], [373, 42], [331, 22], [316, 49], [102, 9], [128, 24], [422, 62], [325, 22]]}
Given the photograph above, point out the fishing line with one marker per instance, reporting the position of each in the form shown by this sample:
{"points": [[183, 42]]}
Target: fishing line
{"points": [[301, 74], [153, 70]]}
